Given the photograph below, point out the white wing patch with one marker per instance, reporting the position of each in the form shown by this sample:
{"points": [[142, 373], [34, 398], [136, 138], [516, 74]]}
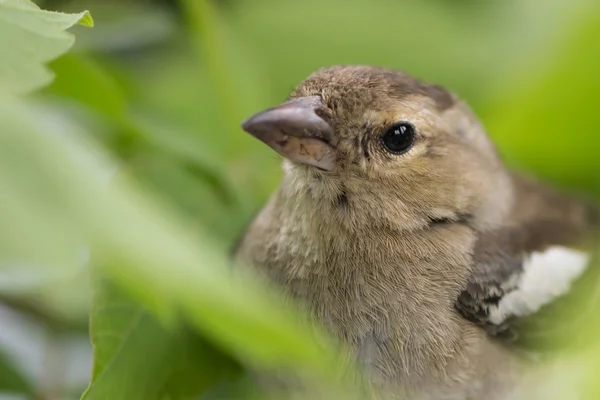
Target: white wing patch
{"points": [[546, 276]]}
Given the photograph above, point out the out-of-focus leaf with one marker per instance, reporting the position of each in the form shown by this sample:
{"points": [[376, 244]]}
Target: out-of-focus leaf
{"points": [[11, 379], [144, 249], [58, 300], [147, 134], [214, 45], [30, 37], [126, 28], [591, 364], [133, 354], [50, 292], [464, 48], [80, 79], [190, 190], [135, 357], [184, 117], [178, 139], [204, 153], [548, 119], [199, 367], [239, 88]]}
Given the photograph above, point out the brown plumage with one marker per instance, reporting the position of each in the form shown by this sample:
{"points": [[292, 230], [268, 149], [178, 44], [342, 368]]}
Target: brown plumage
{"points": [[400, 229]]}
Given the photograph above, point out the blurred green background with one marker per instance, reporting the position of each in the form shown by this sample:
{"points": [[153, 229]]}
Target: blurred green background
{"points": [[162, 87]]}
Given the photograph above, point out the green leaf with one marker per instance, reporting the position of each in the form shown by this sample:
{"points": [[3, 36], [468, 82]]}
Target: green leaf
{"points": [[146, 250], [124, 26], [135, 357], [30, 37], [81, 79], [168, 155], [229, 70], [132, 352], [164, 154], [201, 196], [199, 367], [11, 379]]}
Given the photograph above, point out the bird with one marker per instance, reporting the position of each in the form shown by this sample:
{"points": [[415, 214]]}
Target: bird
{"points": [[400, 228]]}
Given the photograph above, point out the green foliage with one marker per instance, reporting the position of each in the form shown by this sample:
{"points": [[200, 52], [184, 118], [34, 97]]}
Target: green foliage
{"points": [[180, 363], [547, 118], [11, 379], [122, 332], [169, 319], [169, 269], [30, 37]]}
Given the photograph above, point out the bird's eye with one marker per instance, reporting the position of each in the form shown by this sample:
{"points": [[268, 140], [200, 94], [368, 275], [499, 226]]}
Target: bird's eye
{"points": [[399, 138]]}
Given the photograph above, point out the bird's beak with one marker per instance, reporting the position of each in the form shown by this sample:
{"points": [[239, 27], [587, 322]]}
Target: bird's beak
{"points": [[296, 131]]}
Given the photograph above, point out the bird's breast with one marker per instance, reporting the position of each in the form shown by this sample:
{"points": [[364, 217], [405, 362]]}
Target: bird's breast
{"points": [[388, 294]]}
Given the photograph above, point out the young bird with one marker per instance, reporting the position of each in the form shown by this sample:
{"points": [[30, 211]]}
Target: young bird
{"points": [[401, 230]]}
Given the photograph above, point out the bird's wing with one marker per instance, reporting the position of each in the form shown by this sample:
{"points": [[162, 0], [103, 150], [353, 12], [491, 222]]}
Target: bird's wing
{"points": [[532, 282]]}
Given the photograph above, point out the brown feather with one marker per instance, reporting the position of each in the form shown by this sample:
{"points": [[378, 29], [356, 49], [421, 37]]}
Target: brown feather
{"points": [[541, 218]]}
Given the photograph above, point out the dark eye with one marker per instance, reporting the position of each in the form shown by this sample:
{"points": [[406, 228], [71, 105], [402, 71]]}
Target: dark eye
{"points": [[399, 138]]}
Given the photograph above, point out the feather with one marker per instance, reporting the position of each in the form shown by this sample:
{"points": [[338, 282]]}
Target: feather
{"points": [[546, 275]]}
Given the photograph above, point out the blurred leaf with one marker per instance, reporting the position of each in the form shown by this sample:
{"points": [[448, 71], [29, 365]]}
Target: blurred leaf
{"points": [[464, 48], [203, 154], [137, 358], [147, 134], [183, 117], [133, 355], [11, 379], [29, 37], [237, 85], [591, 364], [547, 120], [40, 305], [209, 35], [200, 196], [145, 250], [199, 367], [124, 28], [172, 136], [100, 91], [415, 36]]}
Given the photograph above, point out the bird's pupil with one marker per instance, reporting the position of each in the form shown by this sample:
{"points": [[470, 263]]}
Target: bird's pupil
{"points": [[399, 138]]}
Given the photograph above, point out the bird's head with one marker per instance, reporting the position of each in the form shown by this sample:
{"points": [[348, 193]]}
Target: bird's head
{"points": [[380, 147]]}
